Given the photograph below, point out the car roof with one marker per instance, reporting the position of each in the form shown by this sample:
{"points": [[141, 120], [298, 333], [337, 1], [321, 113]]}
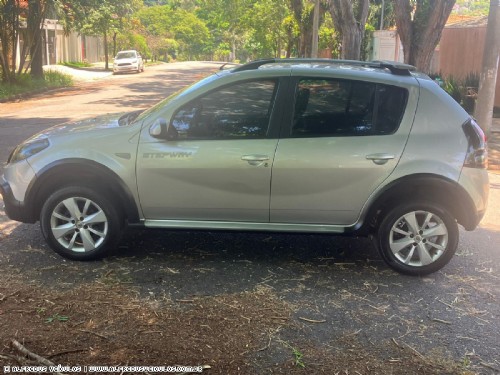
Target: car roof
{"points": [[393, 67], [379, 71]]}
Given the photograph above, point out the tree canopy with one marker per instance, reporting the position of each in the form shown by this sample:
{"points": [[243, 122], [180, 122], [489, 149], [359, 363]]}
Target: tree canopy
{"points": [[236, 30]]}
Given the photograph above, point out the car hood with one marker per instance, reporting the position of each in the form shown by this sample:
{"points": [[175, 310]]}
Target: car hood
{"points": [[100, 122]]}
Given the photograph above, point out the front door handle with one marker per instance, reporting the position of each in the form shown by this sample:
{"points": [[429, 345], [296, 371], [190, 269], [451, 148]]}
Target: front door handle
{"points": [[380, 158], [255, 159]]}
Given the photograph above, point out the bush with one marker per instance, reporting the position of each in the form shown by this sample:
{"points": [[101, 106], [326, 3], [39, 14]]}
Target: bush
{"points": [[25, 84], [56, 79], [463, 91]]}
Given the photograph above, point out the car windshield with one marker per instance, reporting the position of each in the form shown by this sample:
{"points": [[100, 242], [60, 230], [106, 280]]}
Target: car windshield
{"points": [[125, 55]]}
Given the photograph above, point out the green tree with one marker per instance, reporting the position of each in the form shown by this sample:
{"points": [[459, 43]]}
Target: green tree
{"points": [[472, 7], [303, 11], [224, 20], [102, 18], [267, 28], [174, 31], [9, 32], [328, 37], [12, 14]]}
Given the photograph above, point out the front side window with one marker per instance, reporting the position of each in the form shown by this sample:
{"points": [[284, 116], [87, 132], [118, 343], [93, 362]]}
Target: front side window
{"points": [[236, 111], [330, 107]]}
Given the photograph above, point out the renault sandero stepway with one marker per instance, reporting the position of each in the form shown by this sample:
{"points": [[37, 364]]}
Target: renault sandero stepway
{"points": [[294, 145]]}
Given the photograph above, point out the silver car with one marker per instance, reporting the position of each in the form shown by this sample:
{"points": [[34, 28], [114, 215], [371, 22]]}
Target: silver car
{"points": [[324, 146], [128, 61]]}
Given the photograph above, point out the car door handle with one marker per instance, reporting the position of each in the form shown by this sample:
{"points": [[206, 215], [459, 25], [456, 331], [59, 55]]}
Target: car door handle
{"points": [[380, 158], [255, 159]]}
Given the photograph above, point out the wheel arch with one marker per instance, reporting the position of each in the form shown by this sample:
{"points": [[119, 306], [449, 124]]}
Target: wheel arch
{"points": [[429, 187], [85, 172]]}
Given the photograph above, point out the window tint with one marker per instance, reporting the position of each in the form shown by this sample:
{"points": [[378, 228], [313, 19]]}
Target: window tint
{"points": [[237, 111], [346, 108]]}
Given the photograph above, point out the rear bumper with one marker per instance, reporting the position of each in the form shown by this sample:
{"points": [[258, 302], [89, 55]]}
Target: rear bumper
{"points": [[476, 183], [14, 209]]}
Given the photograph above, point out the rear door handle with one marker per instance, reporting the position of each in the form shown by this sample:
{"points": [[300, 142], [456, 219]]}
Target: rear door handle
{"points": [[255, 159], [380, 158]]}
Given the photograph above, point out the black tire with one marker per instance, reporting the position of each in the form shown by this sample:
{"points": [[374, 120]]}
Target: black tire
{"points": [[434, 243], [88, 239]]}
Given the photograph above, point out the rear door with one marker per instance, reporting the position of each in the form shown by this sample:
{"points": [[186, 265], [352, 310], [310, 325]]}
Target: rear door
{"points": [[344, 139]]}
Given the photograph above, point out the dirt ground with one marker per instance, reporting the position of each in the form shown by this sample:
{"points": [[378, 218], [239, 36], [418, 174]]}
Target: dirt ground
{"points": [[220, 302], [108, 323]]}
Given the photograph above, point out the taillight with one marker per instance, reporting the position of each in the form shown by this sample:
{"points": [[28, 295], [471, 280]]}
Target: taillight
{"points": [[477, 154]]}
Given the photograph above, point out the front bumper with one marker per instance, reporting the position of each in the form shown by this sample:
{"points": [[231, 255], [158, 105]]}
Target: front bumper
{"points": [[126, 68], [14, 209]]}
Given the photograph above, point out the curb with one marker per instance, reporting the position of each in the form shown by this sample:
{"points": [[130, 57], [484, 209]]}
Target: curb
{"points": [[31, 94]]}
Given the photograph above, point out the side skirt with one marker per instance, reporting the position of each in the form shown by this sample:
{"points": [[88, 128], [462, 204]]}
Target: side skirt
{"points": [[246, 226]]}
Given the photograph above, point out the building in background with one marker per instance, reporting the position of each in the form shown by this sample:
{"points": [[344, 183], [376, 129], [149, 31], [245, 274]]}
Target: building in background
{"points": [[59, 46]]}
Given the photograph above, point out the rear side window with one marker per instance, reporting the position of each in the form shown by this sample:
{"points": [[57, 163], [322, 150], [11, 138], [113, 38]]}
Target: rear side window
{"points": [[329, 107]]}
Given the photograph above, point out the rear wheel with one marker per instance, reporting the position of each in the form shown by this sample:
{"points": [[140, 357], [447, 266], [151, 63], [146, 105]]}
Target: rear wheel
{"points": [[80, 223], [417, 238]]}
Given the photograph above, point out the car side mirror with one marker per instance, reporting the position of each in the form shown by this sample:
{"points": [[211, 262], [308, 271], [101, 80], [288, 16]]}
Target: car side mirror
{"points": [[161, 129]]}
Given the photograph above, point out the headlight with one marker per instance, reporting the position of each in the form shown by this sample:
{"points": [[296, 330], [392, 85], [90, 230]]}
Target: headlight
{"points": [[30, 148]]}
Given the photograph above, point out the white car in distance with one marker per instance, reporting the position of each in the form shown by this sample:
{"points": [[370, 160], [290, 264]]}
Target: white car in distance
{"points": [[128, 61]]}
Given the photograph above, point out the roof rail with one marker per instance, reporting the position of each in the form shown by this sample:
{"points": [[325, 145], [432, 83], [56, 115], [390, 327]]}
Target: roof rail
{"points": [[254, 64], [396, 67], [393, 66]]}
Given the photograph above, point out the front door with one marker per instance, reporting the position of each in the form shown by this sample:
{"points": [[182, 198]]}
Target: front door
{"points": [[217, 166]]}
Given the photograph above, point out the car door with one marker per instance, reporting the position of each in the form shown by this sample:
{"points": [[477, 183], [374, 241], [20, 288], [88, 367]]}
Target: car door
{"points": [[343, 141], [217, 164]]}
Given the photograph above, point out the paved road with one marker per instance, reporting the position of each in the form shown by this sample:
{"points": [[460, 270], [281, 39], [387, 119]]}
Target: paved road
{"points": [[340, 282], [114, 93]]}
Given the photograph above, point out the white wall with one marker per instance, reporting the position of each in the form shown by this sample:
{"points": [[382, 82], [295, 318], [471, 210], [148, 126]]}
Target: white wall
{"points": [[387, 46]]}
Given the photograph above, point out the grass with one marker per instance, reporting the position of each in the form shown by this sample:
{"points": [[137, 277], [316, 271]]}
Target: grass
{"points": [[26, 84], [76, 64]]}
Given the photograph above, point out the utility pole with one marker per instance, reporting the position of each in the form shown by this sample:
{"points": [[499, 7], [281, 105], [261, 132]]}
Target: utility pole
{"points": [[382, 15], [315, 36], [486, 95]]}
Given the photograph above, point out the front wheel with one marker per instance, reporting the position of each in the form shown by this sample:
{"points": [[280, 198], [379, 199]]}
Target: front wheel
{"points": [[80, 223], [417, 238]]}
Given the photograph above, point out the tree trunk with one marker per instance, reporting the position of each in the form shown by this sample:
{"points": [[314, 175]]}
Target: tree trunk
{"points": [[349, 18], [305, 22], [421, 35], [9, 30], [114, 43], [35, 20], [106, 59], [487, 83], [315, 30], [233, 48], [351, 42]]}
